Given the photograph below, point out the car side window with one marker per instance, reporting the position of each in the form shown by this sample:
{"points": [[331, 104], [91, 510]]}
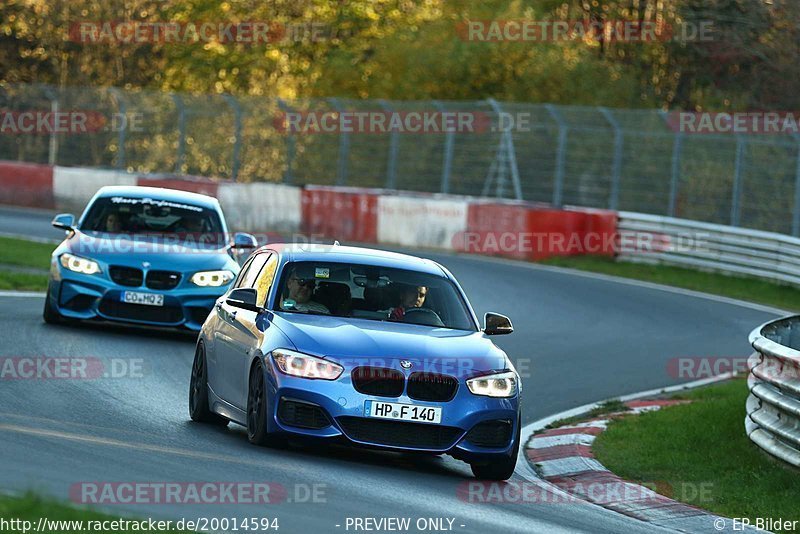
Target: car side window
{"points": [[243, 273], [249, 277], [265, 279]]}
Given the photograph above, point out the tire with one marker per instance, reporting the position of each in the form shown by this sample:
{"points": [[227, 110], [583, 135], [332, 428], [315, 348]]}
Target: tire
{"points": [[500, 467], [198, 391], [257, 406], [49, 314]]}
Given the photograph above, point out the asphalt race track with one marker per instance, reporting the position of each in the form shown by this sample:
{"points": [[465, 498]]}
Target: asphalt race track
{"points": [[577, 339]]}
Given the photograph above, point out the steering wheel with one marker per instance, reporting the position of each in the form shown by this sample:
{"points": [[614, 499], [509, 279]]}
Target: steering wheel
{"points": [[422, 316]]}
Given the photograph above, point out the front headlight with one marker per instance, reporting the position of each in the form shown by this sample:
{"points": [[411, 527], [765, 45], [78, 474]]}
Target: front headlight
{"points": [[498, 385], [78, 264], [305, 366], [212, 278]]}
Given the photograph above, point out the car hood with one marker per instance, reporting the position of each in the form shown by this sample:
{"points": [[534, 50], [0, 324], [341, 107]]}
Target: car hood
{"points": [[161, 253], [355, 342]]}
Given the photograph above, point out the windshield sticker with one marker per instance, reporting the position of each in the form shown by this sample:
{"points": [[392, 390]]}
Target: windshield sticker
{"points": [[288, 303], [322, 272], [152, 202]]}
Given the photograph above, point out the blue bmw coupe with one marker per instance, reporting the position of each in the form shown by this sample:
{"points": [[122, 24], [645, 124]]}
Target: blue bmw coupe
{"points": [[363, 346], [143, 255]]}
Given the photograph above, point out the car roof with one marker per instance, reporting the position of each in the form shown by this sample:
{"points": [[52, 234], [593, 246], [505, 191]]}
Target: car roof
{"points": [[344, 254], [160, 193]]}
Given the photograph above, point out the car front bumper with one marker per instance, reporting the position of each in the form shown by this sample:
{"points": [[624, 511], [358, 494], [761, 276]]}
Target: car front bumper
{"points": [[86, 297], [344, 409]]}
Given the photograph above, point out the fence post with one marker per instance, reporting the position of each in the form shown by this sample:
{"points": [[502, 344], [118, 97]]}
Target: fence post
{"points": [[736, 190], [344, 147], [288, 175], [561, 156], [52, 150], [394, 146], [447, 164], [181, 154], [675, 176], [511, 154], [796, 211], [122, 106], [237, 144], [616, 166]]}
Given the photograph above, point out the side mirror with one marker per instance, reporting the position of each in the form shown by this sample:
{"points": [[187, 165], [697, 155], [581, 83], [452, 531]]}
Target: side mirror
{"points": [[244, 298], [495, 324], [64, 221], [243, 240]]}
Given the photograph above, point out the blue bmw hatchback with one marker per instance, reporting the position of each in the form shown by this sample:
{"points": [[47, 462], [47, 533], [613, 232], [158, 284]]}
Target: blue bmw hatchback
{"points": [[373, 348], [143, 255]]}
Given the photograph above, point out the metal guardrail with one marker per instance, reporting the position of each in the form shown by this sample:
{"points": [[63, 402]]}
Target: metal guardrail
{"points": [[712, 247], [773, 407]]}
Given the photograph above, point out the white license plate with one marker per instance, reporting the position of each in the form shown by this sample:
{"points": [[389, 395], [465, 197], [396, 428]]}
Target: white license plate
{"points": [[137, 297], [403, 412]]}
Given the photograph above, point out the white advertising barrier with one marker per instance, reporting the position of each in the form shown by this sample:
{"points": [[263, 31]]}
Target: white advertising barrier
{"points": [[261, 207], [421, 222], [73, 187]]}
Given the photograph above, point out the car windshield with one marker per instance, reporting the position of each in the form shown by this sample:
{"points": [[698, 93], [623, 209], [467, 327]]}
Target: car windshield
{"points": [[374, 293], [127, 215]]}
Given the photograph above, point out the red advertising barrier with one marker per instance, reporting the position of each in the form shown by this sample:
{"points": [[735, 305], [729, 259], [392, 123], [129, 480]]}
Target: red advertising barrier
{"points": [[532, 232], [344, 214], [193, 184], [26, 184]]}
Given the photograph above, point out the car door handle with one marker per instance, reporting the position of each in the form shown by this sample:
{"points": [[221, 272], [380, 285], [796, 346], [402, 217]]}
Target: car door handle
{"points": [[233, 315]]}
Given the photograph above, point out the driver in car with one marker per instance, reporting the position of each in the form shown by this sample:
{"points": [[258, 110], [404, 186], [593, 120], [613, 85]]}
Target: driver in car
{"points": [[300, 292], [410, 297]]}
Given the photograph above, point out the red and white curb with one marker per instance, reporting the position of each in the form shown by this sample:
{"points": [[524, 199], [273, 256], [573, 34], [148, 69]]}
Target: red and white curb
{"points": [[563, 457]]}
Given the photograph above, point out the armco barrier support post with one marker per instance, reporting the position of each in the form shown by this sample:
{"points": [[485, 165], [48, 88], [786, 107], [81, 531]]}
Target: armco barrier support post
{"points": [[447, 163], [394, 147], [288, 175], [52, 151], [675, 175], [237, 133], [736, 190], [561, 155], [344, 147], [122, 109], [616, 165], [181, 155]]}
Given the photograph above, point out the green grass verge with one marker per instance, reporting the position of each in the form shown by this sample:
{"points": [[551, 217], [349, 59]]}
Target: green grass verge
{"points": [[750, 289], [701, 451], [607, 407], [31, 507], [22, 281], [24, 253]]}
